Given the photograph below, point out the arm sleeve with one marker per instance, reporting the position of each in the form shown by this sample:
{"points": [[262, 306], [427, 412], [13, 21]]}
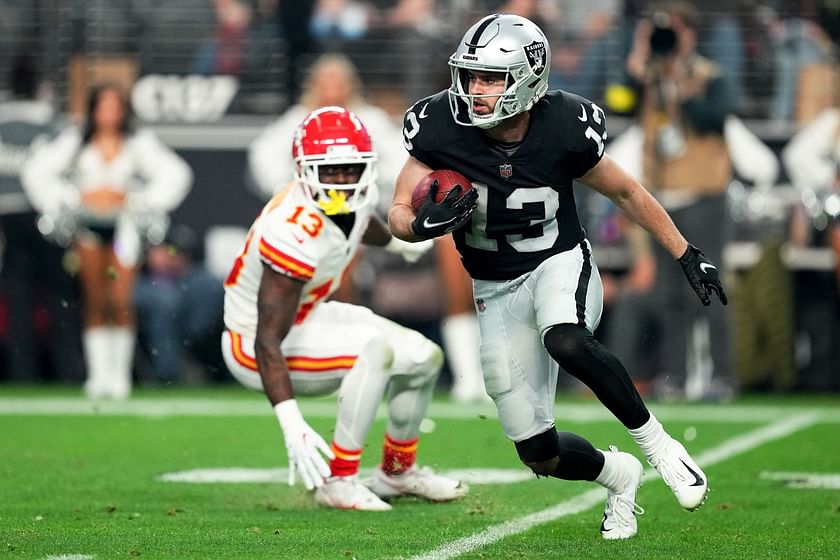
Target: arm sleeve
{"points": [[43, 174], [270, 154], [807, 157], [168, 177]]}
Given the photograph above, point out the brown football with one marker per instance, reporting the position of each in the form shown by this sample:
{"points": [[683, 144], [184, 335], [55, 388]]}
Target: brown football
{"points": [[447, 180]]}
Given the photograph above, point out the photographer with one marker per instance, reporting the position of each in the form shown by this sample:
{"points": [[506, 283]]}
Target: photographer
{"points": [[685, 100]]}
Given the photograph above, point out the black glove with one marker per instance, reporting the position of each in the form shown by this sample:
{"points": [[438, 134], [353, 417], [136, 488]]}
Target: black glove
{"points": [[702, 275], [436, 219]]}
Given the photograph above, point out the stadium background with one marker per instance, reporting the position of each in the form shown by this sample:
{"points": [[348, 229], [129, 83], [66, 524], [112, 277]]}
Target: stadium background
{"points": [[209, 76]]}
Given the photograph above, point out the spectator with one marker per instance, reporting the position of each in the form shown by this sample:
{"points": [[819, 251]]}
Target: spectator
{"points": [[227, 52], [687, 166], [797, 40], [32, 268], [179, 304], [419, 33], [184, 27], [293, 23], [336, 22], [113, 179], [584, 47], [332, 81]]}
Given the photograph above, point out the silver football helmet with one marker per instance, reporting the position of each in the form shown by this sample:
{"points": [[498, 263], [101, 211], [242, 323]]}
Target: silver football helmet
{"points": [[500, 43]]}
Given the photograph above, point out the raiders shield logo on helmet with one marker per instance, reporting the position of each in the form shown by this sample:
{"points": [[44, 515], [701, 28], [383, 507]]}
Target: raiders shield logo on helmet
{"points": [[535, 53]]}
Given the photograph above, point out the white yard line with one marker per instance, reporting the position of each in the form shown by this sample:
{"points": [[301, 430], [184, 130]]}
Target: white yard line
{"points": [[726, 450], [325, 408]]}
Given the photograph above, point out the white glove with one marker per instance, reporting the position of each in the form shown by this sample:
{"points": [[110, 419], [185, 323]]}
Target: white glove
{"points": [[303, 445], [410, 252]]}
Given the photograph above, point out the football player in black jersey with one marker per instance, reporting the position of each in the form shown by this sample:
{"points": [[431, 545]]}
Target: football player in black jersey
{"points": [[536, 286]]}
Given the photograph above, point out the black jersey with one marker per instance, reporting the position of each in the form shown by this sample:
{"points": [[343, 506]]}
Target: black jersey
{"points": [[526, 208]]}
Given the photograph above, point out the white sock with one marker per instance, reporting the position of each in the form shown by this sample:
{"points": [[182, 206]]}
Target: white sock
{"points": [[122, 345], [460, 342], [651, 437], [612, 477], [97, 346]]}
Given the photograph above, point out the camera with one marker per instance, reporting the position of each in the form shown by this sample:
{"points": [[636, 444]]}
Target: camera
{"points": [[663, 38]]}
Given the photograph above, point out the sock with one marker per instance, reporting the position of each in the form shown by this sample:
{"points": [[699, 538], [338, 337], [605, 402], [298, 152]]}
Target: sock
{"points": [[97, 346], [122, 348], [651, 437], [612, 477], [398, 456], [346, 462]]}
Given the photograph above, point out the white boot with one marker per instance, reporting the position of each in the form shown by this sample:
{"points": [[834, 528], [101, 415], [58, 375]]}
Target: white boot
{"points": [[122, 345], [97, 346], [460, 342]]}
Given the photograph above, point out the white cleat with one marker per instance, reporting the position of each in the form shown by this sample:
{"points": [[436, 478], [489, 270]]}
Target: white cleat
{"points": [[681, 473], [416, 481], [620, 514], [346, 492]]}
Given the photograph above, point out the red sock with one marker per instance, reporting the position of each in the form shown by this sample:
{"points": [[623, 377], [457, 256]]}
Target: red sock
{"points": [[398, 455], [346, 462]]}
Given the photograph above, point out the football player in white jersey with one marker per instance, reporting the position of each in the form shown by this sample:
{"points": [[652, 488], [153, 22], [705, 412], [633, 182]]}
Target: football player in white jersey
{"points": [[283, 339]]}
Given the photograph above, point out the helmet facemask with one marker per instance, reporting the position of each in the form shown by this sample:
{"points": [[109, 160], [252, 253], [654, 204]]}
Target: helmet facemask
{"points": [[337, 198]]}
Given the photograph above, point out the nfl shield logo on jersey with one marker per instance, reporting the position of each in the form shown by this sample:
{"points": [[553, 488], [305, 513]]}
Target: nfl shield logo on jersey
{"points": [[535, 54], [506, 170]]}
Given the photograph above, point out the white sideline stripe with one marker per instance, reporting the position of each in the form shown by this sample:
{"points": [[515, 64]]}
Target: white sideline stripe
{"points": [[583, 502], [325, 408], [798, 480], [70, 557]]}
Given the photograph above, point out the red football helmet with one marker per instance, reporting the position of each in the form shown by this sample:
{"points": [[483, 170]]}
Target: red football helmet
{"points": [[334, 136]]}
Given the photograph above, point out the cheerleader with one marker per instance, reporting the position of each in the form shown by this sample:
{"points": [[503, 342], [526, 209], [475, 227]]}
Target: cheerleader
{"points": [[106, 179]]}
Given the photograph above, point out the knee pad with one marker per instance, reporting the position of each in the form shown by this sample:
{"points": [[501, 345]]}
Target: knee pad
{"points": [[378, 354], [418, 358], [540, 453]]}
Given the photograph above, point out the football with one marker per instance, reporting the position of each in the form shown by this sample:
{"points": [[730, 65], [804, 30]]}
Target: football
{"points": [[447, 180]]}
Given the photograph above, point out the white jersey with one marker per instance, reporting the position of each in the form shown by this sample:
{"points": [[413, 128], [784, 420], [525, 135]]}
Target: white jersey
{"points": [[294, 238]]}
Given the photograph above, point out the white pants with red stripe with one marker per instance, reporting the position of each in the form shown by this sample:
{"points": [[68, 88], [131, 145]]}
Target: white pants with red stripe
{"points": [[350, 348]]}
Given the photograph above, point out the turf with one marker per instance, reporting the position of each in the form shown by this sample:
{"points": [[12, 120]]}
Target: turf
{"points": [[86, 484]]}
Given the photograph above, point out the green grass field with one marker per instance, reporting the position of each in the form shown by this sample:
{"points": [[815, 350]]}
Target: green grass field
{"points": [[79, 481]]}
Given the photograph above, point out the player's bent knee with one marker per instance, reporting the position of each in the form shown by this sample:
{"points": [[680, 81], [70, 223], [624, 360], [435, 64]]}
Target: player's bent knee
{"points": [[540, 453], [419, 358], [434, 360], [378, 353], [566, 342]]}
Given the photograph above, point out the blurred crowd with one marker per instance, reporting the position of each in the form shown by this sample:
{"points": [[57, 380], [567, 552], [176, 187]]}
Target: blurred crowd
{"points": [[682, 75], [269, 45]]}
